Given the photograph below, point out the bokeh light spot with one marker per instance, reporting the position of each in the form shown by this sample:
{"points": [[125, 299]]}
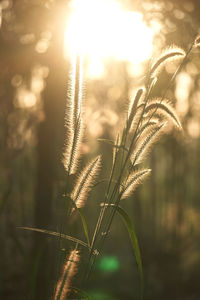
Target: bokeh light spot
{"points": [[108, 264]]}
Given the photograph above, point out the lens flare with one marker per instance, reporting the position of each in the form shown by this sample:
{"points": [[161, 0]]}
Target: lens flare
{"points": [[102, 29]]}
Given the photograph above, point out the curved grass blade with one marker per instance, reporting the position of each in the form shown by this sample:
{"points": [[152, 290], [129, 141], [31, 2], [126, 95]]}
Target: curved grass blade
{"points": [[134, 242], [133, 238], [85, 227], [61, 235]]}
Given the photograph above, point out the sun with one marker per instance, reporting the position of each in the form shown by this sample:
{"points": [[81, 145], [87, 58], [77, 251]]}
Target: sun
{"points": [[102, 29]]}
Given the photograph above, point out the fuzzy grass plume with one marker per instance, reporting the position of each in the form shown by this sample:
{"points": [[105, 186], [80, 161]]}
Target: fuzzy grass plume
{"points": [[169, 54], [164, 108], [145, 142], [73, 119], [133, 109], [134, 180], [69, 270], [84, 182]]}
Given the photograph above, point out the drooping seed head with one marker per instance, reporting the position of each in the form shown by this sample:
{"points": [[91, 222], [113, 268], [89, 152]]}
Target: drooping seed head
{"points": [[164, 108], [169, 54]]}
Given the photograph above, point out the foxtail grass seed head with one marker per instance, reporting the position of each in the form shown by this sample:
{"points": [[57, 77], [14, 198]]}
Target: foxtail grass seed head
{"points": [[164, 108], [133, 108], [72, 149], [145, 142], [147, 125], [169, 54], [78, 93], [85, 181], [134, 180], [138, 115], [73, 119], [69, 270]]}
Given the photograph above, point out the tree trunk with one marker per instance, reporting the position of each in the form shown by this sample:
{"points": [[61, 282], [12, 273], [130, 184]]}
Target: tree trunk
{"points": [[49, 151]]}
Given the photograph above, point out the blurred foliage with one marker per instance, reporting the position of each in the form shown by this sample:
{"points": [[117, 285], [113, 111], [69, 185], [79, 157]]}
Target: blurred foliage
{"points": [[165, 211]]}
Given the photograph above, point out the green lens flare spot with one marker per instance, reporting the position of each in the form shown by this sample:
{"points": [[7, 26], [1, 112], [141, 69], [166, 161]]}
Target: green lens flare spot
{"points": [[100, 296], [108, 264]]}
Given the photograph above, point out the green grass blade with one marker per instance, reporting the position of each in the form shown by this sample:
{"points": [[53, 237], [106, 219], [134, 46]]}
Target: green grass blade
{"points": [[61, 235], [85, 227], [134, 242]]}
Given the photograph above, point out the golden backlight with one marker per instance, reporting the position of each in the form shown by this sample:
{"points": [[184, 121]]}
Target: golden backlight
{"points": [[102, 29]]}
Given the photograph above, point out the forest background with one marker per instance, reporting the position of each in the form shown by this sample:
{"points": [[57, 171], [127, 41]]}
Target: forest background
{"points": [[165, 210]]}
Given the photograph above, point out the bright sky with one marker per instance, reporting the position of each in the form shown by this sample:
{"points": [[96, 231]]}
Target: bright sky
{"points": [[102, 29]]}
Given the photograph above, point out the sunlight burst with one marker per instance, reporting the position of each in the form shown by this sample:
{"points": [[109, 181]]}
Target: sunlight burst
{"points": [[101, 29]]}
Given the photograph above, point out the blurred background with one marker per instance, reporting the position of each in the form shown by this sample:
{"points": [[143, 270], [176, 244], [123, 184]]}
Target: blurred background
{"points": [[119, 40]]}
